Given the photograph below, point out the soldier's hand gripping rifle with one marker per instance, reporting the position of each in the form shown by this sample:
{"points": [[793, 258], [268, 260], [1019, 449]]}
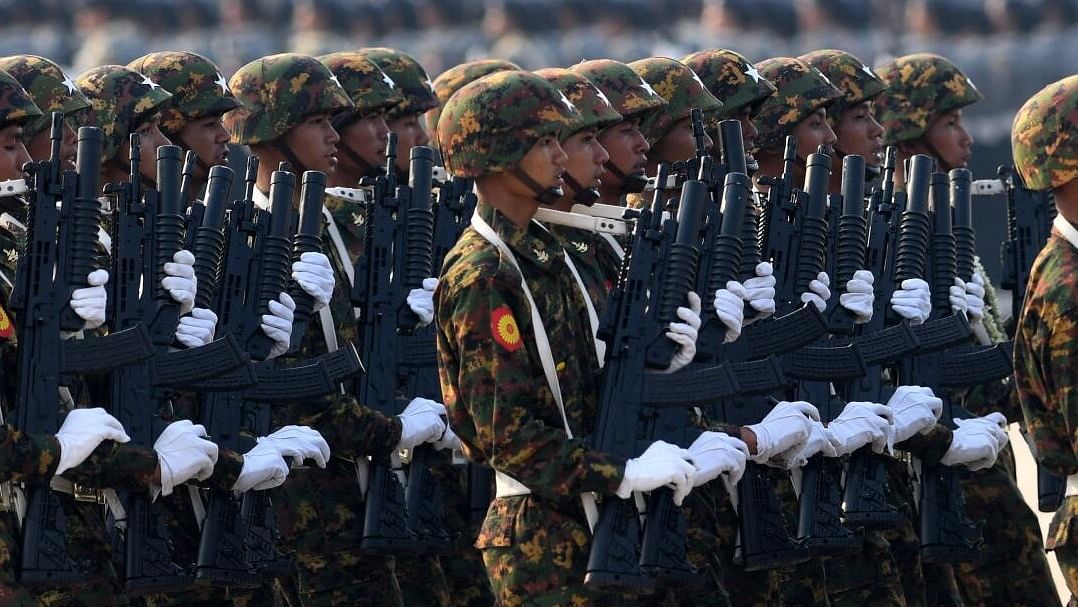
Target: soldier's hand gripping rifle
{"points": [[60, 252]]}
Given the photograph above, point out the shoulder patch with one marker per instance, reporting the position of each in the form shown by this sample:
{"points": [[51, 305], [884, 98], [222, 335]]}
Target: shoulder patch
{"points": [[505, 329], [7, 328]]}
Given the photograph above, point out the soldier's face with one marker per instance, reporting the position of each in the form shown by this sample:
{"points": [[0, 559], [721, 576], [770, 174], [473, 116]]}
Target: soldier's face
{"points": [[314, 142], [586, 157], [627, 148], [859, 133], [950, 139], [748, 133], [40, 146], [545, 163], [812, 132], [368, 137], [678, 143], [13, 153], [208, 138], [410, 132], [150, 138]]}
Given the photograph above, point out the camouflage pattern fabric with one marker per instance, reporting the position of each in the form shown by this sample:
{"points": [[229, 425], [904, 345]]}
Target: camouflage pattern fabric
{"points": [[12, 593], [1063, 540], [451, 81], [594, 259], [594, 107], [277, 92], [802, 90], [630, 94], [16, 107], [370, 88], [920, 87], [417, 88], [535, 546], [490, 124], [48, 86], [197, 86], [731, 79], [848, 74], [1043, 136], [869, 578], [682, 90], [120, 99]]}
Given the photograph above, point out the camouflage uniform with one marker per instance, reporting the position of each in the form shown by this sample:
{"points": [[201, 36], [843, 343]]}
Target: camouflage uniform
{"points": [[197, 86], [46, 84], [319, 514], [1043, 143], [534, 545], [417, 90], [727, 75], [451, 80], [120, 100], [802, 90]]}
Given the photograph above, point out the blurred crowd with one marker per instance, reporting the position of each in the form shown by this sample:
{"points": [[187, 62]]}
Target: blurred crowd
{"points": [[1010, 48]]}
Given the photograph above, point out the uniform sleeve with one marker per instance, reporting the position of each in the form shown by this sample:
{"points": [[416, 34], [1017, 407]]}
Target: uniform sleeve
{"points": [[351, 429], [1045, 362], [27, 457], [117, 466], [498, 396], [225, 471], [931, 446]]}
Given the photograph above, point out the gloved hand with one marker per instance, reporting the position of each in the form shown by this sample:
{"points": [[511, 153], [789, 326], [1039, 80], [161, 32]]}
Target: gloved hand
{"points": [[421, 422], [760, 291], [315, 276], [263, 468], [89, 302], [859, 424], [715, 453], [912, 301], [957, 295], [277, 325], [976, 444], [82, 431], [300, 443], [915, 409], [991, 422], [449, 441], [661, 464], [975, 298], [819, 442], [784, 431], [184, 453], [684, 334], [421, 301], [730, 309], [197, 329], [180, 280], [818, 292], [858, 296]]}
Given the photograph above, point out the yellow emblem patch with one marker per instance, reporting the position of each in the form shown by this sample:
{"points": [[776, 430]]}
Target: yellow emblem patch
{"points": [[505, 329]]}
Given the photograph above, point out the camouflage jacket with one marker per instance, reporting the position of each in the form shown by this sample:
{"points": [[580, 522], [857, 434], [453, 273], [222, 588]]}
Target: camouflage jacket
{"points": [[492, 379], [594, 259]]}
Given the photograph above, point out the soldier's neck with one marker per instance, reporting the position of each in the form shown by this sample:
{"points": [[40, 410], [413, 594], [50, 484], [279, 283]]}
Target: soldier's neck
{"points": [[1066, 197], [498, 192]]}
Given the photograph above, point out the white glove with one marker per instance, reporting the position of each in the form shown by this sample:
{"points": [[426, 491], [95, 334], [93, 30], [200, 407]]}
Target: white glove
{"points": [[915, 409], [263, 468], [684, 334], [421, 301], [912, 301], [784, 431], [277, 325], [730, 309], [82, 431], [180, 280], [859, 424], [975, 298], [819, 442], [957, 295], [760, 291], [716, 453], [300, 443], [315, 276], [858, 296], [991, 422], [197, 329], [89, 302], [660, 465], [976, 443], [818, 292], [184, 453], [449, 441], [421, 422]]}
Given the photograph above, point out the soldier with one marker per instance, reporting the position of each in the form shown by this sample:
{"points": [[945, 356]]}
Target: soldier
{"points": [[47, 84], [405, 119], [289, 101], [1042, 139], [451, 80], [921, 112]]}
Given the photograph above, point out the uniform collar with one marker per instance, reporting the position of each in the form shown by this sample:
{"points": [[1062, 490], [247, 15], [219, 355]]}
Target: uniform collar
{"points": [[1066, 229], [533, 243], [261, 199]]}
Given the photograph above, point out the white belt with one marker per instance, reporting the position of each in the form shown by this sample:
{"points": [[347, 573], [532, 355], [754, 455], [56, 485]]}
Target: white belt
{"points": [[1072, 485], [507, 486]]}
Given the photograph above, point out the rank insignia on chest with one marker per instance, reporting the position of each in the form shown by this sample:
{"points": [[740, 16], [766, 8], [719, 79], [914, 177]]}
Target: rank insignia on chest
{"points": [[581, 247], [541, 255], [505, 329]]}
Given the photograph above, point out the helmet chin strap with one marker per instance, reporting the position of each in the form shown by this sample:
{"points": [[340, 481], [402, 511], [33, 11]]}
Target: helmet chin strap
{"points": [[297, 166], [544, 196], [199, 162], [581, 194], [633, 183]]}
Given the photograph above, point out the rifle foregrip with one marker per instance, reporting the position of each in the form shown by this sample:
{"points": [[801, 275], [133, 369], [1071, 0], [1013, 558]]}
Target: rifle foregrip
{"points": [[850, 247], [222, 548], [867, 494], [812, 252], [913, 235], [819, 524], [209, 247], [764, 542], [385, 523]]}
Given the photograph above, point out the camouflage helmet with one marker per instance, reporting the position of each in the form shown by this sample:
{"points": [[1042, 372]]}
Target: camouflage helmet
{"points": [[920, 88], [801, 90], [849, 74], [120, 99], [197, 86], [493, 122], [731, 79], [451, 81], [589, 101], [409, 75], [682, 90], [370, 88], [630, 94], [1044, 137], [48, 86]]}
